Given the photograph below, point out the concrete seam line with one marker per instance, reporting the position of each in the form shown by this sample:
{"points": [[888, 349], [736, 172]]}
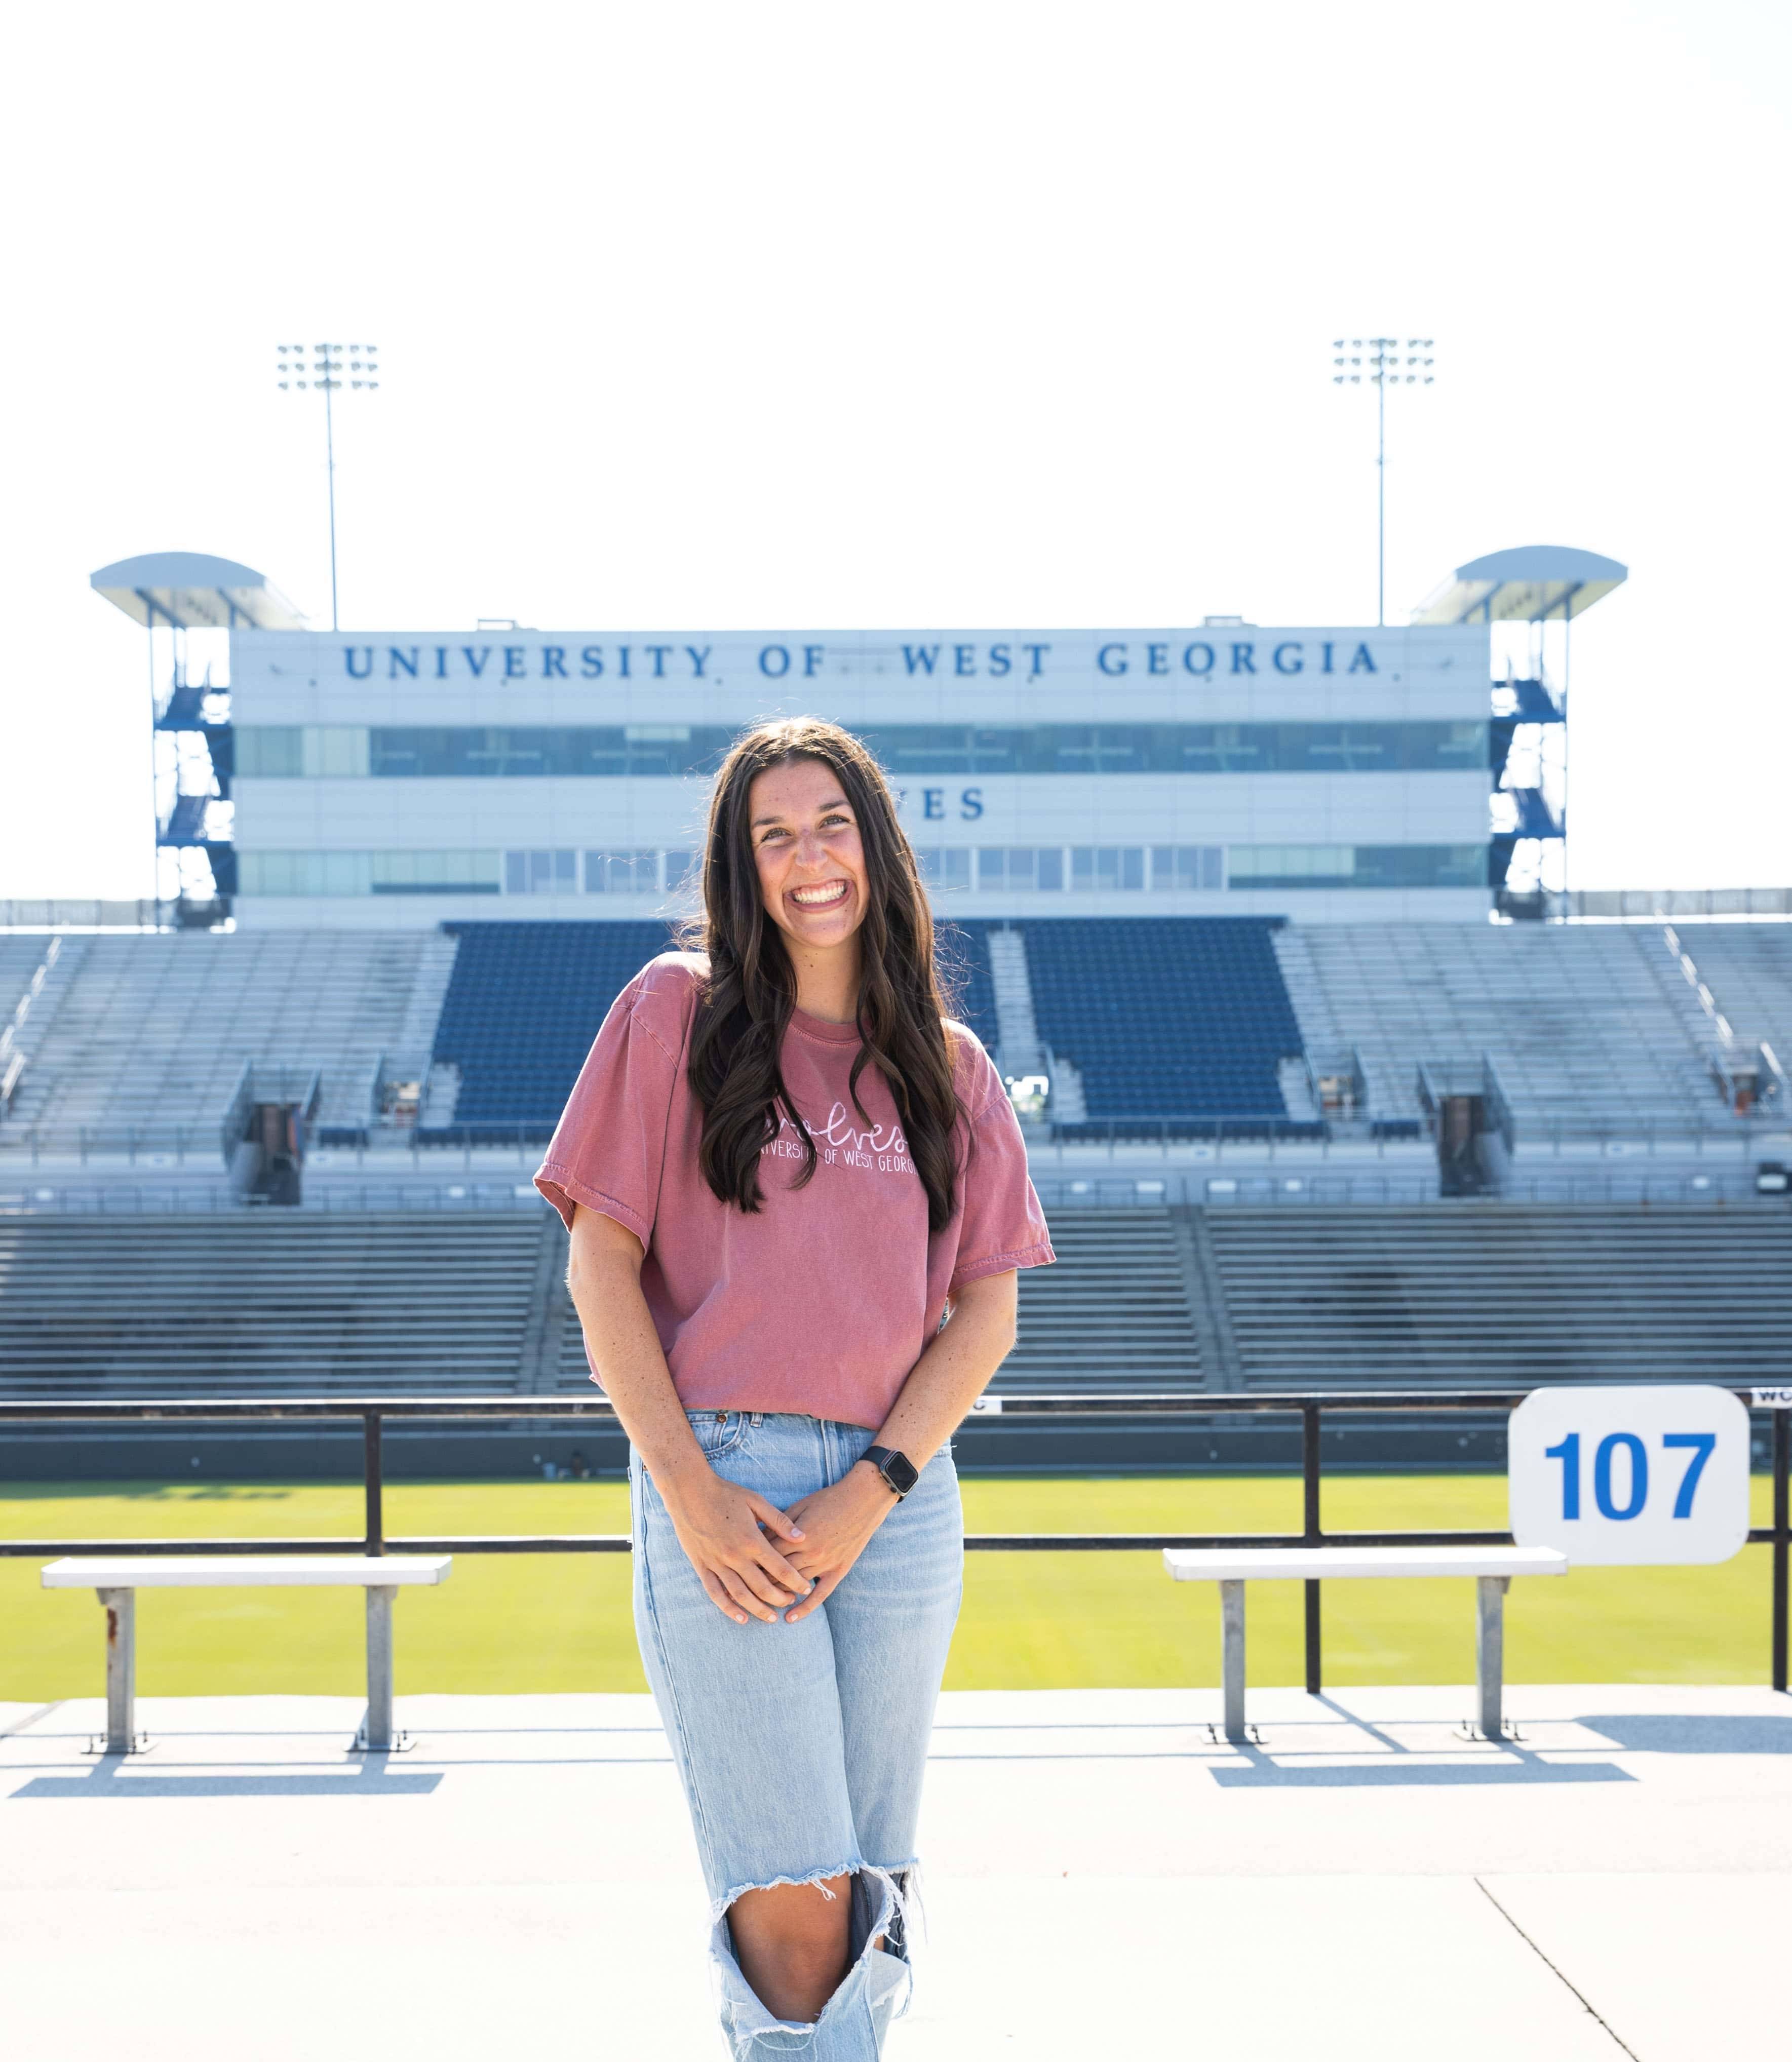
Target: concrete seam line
{"points": [[1554, 1970], [31, 1719]]}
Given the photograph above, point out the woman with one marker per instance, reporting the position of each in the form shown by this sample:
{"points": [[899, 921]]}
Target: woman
{"points": [[784, 1170]]}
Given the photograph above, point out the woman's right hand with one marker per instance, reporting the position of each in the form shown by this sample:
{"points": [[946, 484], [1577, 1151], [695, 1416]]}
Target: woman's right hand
{"points": [[723, 1531]]}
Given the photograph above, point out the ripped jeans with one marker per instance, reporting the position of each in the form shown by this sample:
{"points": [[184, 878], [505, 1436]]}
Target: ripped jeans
{"points": [[802, 1747]]}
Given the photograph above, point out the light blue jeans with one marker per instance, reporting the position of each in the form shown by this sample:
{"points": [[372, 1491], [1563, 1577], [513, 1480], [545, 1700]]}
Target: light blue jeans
{"points": [[801, 1747]]}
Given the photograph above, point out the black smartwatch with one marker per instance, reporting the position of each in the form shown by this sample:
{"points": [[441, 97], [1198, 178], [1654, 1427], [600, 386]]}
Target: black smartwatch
{"points": [[896, 1469]]}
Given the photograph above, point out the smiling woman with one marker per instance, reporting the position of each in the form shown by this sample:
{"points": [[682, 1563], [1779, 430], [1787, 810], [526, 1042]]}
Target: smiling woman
{"points": [[798, 1199]]}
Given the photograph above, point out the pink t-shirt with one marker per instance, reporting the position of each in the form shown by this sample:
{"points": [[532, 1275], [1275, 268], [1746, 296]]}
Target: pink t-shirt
{"points": [[822, 1300]]}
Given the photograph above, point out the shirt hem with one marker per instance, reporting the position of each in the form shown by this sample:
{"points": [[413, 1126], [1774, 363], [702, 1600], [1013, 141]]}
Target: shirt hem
{"points": [[1001, 1263], [552, 1178]]}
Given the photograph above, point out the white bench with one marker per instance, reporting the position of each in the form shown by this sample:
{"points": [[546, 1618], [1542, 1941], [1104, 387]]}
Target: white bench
{"points": [[117, 1582], [1492, 1567]]}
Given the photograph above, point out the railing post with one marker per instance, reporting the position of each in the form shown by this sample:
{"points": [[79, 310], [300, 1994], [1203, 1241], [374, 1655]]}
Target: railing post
{"points": [[375, 1482], [1783, 1538], [1312, 1536]]}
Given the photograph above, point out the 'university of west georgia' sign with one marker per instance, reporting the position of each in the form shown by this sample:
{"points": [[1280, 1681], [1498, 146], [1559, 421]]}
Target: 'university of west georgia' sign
{"points": [[1209, 656]]}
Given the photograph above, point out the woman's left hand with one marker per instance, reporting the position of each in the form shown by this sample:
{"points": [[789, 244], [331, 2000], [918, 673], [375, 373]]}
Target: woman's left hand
{"points": [[837, 1522]]}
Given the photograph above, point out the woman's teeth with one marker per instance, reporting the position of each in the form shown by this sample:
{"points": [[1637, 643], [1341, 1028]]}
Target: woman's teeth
{"points": [[819, 897]]}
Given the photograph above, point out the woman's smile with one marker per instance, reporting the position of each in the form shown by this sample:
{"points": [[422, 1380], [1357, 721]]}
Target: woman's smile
{"points": [[821, 894]]}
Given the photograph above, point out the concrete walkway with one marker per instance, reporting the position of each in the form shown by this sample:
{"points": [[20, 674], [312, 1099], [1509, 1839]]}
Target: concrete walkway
{"points": [[1103, 1879]]}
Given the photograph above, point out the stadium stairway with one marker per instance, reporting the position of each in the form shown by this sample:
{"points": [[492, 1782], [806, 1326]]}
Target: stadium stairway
{"points": [[1747, 969]]}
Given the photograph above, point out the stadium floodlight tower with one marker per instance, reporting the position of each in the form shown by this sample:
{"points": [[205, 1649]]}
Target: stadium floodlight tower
{"points": [[320, 369], [1382, 362], [1536, 585], [191, 740]]}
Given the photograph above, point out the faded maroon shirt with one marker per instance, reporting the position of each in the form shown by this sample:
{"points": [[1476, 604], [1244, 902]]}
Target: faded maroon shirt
{"points": [[823, 1300]]}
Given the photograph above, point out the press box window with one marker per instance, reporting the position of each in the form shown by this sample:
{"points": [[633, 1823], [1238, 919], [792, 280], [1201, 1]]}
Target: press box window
{"points": [[944, 866], [630, 872], [541, 873], [1107, 869], [1185, 867]]}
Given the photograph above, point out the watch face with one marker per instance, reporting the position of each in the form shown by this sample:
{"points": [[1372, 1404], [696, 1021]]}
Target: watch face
{"points": [[900, 1473]]}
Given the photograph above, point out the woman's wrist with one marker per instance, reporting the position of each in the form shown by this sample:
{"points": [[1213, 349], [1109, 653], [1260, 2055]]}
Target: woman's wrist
{"points": [[870, 1479]]}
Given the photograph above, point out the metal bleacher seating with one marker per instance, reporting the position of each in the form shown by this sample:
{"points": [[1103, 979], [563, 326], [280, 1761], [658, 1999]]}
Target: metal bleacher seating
{"points": [[21, 955], [1591, 1029], [1166, 1017], [270, 1303], [149, 1033], [1113, 1314], [1748, 969], [1504, 1294]]}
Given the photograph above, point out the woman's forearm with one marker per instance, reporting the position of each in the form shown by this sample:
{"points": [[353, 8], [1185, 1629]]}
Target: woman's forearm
{"points": [[604, 1281], [955, 1370]]}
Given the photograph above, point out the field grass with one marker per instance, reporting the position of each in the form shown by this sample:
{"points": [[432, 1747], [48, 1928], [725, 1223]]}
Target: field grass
{"points": [[1030, 1621]]}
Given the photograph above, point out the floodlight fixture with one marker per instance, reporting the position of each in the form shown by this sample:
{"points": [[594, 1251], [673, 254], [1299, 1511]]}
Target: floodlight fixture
{"points": [[1382, 361], [319, 368]]}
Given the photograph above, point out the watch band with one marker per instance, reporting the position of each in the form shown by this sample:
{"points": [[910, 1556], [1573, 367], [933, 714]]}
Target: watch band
{"points": [[897, 1470]]}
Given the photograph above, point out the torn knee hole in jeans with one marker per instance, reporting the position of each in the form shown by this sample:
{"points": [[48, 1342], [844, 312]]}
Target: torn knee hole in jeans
{"points": [[874, 1919]]}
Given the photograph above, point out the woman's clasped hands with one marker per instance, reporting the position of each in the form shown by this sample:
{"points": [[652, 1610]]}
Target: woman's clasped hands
{"points": [[757, 1560]]}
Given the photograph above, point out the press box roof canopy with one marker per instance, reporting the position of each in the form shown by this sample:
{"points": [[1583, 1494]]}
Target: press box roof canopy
{"points": [[1534, 583], [192, 591]]}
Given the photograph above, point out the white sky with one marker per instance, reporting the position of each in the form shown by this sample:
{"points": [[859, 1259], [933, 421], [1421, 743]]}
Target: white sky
{"points": [[713, 315]]}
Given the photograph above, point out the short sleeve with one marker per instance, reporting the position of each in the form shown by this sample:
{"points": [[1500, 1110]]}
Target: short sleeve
{"points": [[1000, 1225], [609, 1147]]}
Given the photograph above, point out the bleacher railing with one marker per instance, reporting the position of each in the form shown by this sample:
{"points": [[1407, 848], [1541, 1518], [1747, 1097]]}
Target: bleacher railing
{"points": [[374, 1413]]}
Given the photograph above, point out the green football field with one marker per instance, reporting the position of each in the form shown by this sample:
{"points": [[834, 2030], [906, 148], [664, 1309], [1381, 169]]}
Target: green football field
{"points": [[1030, 1621]]}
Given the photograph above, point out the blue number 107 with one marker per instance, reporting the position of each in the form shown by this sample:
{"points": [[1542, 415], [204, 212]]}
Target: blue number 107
{"points": [[1699, 1445], [1569, 1454]]}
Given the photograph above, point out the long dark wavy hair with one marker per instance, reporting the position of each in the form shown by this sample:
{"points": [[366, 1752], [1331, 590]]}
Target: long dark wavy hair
{"points": [[751, 990]]}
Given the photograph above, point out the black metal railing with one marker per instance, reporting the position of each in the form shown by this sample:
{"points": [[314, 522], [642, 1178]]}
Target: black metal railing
{"points": [[373, 1413]]}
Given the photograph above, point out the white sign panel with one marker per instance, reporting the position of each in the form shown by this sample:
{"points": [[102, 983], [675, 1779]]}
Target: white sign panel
{"points": [[1630, 1476]]}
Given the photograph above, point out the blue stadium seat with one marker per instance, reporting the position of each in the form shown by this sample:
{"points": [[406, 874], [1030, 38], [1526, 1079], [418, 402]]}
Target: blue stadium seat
{"points": [[526, 999], [1165, 1017], [523, 1005]]}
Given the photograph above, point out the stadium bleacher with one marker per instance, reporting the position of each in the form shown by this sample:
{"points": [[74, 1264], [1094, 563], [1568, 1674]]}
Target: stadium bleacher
{"points": [[1168, 1017], [268, 1303], [1143, 1299], [1591, 1029], [151, 1031], [1748, 969], [1195, 1025], [522, 1009], [1505, 1295]]}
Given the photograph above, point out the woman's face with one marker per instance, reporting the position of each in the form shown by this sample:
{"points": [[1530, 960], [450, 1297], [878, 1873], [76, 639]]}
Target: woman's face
{"points": [[812, 866]]}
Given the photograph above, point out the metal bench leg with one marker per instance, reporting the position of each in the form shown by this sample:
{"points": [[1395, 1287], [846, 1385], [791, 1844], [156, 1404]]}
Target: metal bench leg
{"points": [[1490, 1650], [1231, 1656], [120, 1607], [377, 1731]]}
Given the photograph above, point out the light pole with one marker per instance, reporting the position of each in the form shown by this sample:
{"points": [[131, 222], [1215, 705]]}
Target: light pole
{"points": [[1382, 362], [321, 369]]}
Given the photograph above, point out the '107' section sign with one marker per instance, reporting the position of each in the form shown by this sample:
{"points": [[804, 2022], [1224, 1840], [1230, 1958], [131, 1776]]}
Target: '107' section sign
{"points": [[1633, 1476]]}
